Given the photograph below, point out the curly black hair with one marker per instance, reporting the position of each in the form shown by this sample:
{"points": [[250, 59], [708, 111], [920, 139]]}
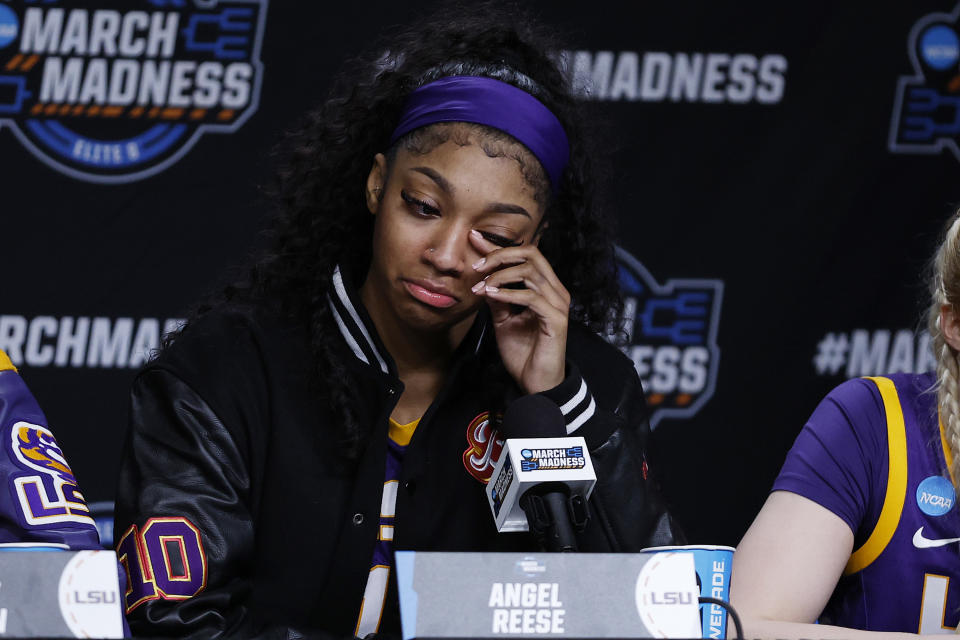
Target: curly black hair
{"points": [[322, 221]]}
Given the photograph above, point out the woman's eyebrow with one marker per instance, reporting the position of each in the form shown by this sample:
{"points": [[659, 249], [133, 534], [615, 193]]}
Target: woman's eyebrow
{"points": [[442, 182], [493, 207], [503, 207]]}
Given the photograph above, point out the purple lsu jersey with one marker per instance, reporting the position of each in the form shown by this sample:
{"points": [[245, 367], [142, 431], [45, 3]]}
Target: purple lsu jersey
{"points": [[40, 502], [906, 575]]}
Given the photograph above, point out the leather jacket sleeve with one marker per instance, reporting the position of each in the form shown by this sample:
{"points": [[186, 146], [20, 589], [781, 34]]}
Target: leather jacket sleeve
{"points": [[183, 479], [187, 473], [604, 403]]}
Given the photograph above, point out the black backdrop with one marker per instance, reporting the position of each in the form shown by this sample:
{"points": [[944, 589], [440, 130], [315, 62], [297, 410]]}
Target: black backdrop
{"points": [[778, 188]]}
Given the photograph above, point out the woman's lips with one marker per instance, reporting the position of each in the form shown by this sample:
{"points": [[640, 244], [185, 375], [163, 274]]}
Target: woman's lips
{"points": [[425, 293]]}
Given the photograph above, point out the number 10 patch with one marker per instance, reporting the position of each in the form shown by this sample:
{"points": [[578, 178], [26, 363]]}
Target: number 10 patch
{"points": [[165, 560]]}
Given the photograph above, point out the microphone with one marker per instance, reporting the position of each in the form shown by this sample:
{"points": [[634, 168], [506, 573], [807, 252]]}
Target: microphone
{"points": [[543, 478]]}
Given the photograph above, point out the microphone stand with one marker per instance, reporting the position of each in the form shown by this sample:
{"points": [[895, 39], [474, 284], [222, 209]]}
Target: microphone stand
{"points": [[554, 515]]}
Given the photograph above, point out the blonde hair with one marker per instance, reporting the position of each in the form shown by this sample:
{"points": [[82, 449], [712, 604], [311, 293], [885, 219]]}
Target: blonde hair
{"points": [[945, 289]]}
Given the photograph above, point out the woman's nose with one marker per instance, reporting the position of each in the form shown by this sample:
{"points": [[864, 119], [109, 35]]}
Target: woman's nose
{"points": [[448, 248]]}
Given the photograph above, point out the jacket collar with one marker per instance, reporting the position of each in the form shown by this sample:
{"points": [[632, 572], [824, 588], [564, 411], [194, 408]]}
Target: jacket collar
{"points": [[361, 337]]}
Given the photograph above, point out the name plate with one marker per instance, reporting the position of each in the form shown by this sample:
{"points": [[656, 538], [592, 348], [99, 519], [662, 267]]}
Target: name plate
{"points": [[59, 594], [576, 595]]}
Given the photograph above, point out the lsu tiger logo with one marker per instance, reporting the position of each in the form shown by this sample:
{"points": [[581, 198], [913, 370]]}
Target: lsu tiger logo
{"points": [[115, 91], [45, 488], [486, 444]]}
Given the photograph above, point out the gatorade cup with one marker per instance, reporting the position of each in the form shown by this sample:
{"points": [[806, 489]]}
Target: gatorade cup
{"points": [[713, 564]]}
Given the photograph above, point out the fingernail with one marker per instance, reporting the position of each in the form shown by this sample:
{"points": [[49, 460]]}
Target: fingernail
{"points": [[476, 234], [492, 289], [476, 288], [479, 263]]}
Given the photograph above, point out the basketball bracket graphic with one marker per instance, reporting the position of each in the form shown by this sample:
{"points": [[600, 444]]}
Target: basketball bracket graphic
{"points": [[926, 112], [671, 333]]}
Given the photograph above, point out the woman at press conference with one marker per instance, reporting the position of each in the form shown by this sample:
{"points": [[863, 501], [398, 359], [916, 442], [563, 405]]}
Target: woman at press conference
{"points": [[436, 255], [861, 529]]}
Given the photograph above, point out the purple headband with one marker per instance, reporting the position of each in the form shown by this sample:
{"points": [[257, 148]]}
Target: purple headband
{"points": [[495, 104]]}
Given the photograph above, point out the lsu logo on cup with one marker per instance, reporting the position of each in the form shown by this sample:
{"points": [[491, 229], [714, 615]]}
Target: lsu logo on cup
{"points": [[671, 332], [114, 91], [926, 112]]}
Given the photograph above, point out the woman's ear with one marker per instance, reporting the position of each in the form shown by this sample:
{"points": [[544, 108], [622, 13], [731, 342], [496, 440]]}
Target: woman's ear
{"points": [[950, 325], [375, 182]]}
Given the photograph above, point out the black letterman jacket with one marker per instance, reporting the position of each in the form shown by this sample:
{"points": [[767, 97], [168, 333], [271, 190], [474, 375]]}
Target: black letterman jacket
{"points": [[227, 439]]}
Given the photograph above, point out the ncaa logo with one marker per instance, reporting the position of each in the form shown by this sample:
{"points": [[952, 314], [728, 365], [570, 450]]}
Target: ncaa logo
{"points": [[935, 496], [926, 112], [118, 90], [671, 332]]}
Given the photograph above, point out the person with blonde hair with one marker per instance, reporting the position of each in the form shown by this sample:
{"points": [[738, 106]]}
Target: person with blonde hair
{"points": [[861, 530]]}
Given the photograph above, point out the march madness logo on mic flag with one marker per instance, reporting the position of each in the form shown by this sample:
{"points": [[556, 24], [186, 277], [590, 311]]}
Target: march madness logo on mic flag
{"points": [[552, 459], [671, 332], [116, 91], [926, 112]]}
